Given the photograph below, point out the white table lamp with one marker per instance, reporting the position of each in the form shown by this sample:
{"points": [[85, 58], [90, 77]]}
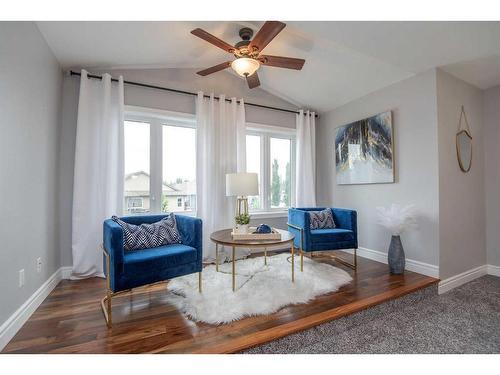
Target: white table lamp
{"points": [[241, 185]]}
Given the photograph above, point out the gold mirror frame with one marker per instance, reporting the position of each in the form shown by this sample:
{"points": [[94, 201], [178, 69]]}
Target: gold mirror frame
{"points": [[467, 132], [460, 163]]}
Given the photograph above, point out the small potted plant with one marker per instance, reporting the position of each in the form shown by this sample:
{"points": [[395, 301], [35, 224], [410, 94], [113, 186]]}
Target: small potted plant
{"points": [[242, 222], [397, 219]]}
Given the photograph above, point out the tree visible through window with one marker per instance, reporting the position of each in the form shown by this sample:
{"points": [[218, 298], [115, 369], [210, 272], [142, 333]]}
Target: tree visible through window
{"points": [[275, 185], [280, 152], [253, 166]]}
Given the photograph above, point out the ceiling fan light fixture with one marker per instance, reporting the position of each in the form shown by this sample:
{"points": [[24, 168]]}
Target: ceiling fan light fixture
{"points": [[245, 66]]}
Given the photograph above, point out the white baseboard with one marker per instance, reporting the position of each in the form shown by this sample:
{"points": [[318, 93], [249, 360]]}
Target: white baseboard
{"points": [[66, 272], [12, 325], [462, 278], [411, 265], [493, 270]]}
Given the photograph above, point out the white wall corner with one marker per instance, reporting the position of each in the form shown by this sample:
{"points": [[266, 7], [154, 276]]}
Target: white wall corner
{"points": [[411, 265], [14, 323], [493, 270], [462, 278], [66, 272]]}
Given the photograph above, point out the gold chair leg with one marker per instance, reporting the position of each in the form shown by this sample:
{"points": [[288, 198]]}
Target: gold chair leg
{"points": [[234, 269], [106, 301], [199, 281], [106, 309], [353, 265], [110, 313], [217, 257]]}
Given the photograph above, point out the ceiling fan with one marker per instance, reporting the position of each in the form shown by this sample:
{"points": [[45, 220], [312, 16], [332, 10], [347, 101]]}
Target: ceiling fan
{"points": [[248, 52]]}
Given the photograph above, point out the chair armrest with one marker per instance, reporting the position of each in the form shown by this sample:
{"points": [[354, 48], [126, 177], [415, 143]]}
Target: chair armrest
{"points": [[300, 225], [113, 244], [346, 219], [191, 230]]}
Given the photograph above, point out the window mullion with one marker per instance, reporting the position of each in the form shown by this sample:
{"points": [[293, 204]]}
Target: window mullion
{"points": [[156, 166]]}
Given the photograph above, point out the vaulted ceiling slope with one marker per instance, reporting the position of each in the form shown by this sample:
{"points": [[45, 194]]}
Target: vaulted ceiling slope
{"points": [[344, 60]]}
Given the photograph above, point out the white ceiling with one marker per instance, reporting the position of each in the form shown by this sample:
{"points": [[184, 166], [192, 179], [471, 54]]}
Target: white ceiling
{"points": [[344, 60]]}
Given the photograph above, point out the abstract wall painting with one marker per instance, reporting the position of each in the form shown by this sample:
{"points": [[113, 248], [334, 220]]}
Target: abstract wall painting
{"points": [[364, 151]]}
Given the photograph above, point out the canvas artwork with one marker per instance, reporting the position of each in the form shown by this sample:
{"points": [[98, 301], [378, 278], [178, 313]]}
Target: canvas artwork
{"points": [[364, 151]]}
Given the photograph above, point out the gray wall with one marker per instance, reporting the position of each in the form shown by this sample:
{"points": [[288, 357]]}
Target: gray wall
{"points": [[461, 195], [413, 105], [187, 80], [183, 79], [30, 100], [491, 102]]}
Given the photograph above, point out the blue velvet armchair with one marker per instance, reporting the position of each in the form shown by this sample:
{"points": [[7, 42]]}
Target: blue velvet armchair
{"points": [[344, 236], [126, 270]]}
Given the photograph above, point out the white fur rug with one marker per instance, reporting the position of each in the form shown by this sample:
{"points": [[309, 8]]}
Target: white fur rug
{"points": [[261, 289]]}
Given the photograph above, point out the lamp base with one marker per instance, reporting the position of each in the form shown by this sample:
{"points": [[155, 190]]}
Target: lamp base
{"points": [[241, 206]]}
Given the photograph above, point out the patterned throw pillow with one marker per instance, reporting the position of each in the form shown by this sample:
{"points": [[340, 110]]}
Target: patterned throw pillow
{"points": [[322, 219], [147, 236]]}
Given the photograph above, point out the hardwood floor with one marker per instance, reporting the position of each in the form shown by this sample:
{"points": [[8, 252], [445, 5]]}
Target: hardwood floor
{"points": [[70, 319]]}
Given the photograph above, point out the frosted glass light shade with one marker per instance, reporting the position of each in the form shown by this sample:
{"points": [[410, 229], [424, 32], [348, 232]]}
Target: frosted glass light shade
{"points": [[245, 66], [242, 184]]}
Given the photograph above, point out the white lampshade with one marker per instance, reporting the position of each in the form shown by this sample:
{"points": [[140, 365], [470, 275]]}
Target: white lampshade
{"points": [[245, 66], [242, 184]]}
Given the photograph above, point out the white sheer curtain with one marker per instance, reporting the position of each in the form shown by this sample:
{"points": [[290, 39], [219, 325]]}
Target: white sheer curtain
{"points": [[306, 160], [99, 169], [220, 149]]}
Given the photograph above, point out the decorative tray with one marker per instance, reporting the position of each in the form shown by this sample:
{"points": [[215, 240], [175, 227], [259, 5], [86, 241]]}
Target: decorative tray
{"points": [[274, 235]]}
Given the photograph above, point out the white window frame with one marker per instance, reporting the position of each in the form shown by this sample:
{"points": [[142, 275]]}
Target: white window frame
{"points": [[266, 132], [157, 118]]}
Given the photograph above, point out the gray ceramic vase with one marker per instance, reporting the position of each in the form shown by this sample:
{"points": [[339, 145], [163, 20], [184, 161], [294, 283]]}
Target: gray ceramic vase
{"points": [[396, 256]]}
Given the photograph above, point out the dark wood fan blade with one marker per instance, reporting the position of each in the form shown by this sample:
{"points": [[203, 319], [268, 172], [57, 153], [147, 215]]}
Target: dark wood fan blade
{"points": [[282, 62], [214, 69], [266, 33], [253, 80], [213, 40]]}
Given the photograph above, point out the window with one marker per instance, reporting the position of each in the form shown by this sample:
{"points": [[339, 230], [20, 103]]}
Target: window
{"points": [[137, 151], [253, 166], [179, 168], [271, 154], [160, 161], [281, 183]]}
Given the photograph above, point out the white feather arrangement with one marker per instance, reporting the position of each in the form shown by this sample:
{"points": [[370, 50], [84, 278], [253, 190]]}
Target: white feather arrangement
{"points": [[397, 218]]}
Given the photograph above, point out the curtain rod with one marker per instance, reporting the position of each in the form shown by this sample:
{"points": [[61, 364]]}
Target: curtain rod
{"points": [[72, 73]]}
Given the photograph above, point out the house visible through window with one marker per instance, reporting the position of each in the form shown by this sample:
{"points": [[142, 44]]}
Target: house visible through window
{"points": [[179, 168], [160, 162], [134, 203], [137, 183], [270, 154]]}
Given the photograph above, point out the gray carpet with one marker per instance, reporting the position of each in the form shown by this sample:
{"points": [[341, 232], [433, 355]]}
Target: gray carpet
{"points": [[464, 320]]}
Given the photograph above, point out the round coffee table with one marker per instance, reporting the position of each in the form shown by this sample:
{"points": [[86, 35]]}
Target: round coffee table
{"points": [[223, 237]]}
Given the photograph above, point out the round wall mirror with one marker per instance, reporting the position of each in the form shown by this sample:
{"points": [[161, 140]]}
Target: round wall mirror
{"points": [[464, 150]]}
